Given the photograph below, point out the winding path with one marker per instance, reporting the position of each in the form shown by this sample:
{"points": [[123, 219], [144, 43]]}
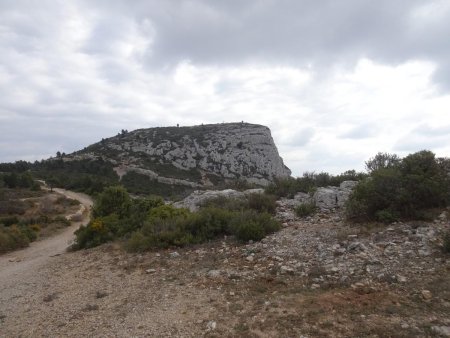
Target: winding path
{"points": [[19, 269]]}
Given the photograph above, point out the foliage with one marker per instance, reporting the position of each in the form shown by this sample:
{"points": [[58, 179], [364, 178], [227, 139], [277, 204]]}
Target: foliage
{"points": [[113, 200], [9, 220], [227, 203], [447, 242], [255, 201], [98, 231], [251, 225], [262, 203], [149, 223], [305, 209], [402, 189], [142, 184], [19, 180], [207, 224], [15, 237], [288, 187], [382, 161], [89, 176]]}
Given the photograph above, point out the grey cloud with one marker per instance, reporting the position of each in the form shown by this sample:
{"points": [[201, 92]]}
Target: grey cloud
{"points": [[299, 138], [360, 132], [67, 77], [319, 159], [424, 137], [320, 33]]}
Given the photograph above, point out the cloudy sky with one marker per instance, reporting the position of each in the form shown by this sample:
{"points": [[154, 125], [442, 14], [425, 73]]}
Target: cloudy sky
{"points": [[336, 81]]}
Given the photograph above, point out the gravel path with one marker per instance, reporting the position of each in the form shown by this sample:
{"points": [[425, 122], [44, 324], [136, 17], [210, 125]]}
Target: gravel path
{"points": [[317, 277], [21, 270]]}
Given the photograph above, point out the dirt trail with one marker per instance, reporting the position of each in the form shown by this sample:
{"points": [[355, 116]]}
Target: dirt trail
{"points": [[21, 268]]}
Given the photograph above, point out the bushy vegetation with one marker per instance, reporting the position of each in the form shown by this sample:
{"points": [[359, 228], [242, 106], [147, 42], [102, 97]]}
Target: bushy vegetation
{"points": [[15, 237], [141, 184], [447, 242], [397, 188], [18, 233], [257, 202], [197, 227], [146, 224], [14, 180], [22, 220], [310, 181], [88, 176], [305, 209]]}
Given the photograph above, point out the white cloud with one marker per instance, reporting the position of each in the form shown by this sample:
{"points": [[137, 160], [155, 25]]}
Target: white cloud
{"points": [[74, 72]]}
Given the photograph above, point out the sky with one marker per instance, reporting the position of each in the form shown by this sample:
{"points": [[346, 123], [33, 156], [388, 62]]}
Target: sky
{"points": [[335, 81]]}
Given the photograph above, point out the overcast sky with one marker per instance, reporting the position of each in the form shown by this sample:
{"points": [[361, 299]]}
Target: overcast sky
{"points": [[336, 81]]}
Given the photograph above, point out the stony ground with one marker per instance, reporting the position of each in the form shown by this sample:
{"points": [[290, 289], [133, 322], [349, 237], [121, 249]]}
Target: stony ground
{"points": [[315, 278]]}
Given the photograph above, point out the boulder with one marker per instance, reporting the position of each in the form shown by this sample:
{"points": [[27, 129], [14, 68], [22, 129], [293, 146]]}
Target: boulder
{"points": [[198, 197], [327, 198]]}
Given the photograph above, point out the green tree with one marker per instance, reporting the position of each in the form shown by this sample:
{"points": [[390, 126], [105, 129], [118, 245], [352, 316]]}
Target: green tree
{"points": [[382, 161], [113, 200]]}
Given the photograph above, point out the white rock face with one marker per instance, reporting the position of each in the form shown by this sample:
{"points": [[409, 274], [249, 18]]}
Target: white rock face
{"points": [[333, 197], [198, 197], [230, 151]]}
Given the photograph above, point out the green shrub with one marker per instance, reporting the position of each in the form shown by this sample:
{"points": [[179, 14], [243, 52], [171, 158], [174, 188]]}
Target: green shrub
{"points": [[112, 200], [288, 187], [382, 161], [207, 224], [227, 203], [13, 237], [98, 231], [9, 220], [248, 230], [255, 201], [251, 225], [142, 184], [447, 242], [262, 203], [400, 189], [305, 209], [386, 216], [163, 212]]}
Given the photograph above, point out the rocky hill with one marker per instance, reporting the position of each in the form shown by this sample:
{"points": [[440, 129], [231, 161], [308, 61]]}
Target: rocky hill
{"points": [[195, 157]]}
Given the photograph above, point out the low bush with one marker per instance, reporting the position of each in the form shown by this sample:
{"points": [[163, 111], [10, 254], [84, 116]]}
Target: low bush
{"points": [[14, 237], [227, 203], [405, 188], [112, 200], [12, 207], [9, 220], [147, 224], [386, 216], [262, 203], [305, 209], [309, 182], [207, 224], [255, 201], [446, 246], [251, 225], [98, 231]]}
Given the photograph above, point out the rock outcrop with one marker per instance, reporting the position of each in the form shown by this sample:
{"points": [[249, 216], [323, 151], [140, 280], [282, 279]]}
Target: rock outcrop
{"points": [[325, 198], [333, 197], [198, 197], [195, 156]]}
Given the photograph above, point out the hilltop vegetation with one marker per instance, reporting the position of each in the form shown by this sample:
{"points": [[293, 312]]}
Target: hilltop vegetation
{"points": [[147, 223], [398, 189], [28, 214]]}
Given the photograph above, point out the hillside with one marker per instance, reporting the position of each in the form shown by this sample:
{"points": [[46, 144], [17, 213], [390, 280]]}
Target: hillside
{"points": [[189, 157]]}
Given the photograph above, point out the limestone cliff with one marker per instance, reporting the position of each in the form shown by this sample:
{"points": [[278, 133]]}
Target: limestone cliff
{"points": [[196, 156]]}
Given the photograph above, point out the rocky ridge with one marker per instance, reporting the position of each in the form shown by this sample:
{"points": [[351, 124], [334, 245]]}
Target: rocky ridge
{"points": [[195, 156]]}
